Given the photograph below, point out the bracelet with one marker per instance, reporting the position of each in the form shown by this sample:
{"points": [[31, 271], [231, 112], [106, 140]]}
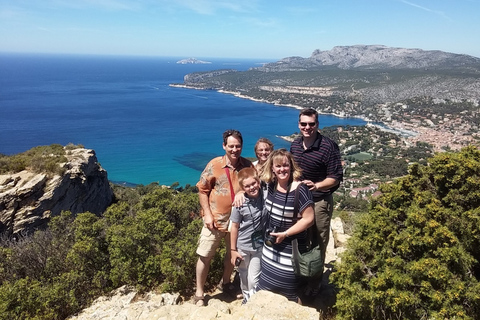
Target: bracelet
{"points": [[286, 234], [233, 249]]}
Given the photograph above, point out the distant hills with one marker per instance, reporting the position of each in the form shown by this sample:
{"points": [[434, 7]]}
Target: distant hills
{"points": [[362, 75], [377, 57]]}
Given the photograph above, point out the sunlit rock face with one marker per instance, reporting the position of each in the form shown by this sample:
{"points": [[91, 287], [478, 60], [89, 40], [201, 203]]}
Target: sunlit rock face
{"points": [[28, 199]]}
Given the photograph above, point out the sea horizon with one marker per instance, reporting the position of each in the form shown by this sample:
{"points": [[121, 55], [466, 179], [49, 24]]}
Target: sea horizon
{"points": [[142, 129]]}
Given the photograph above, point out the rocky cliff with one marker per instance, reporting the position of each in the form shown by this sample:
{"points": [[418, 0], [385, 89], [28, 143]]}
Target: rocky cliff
{"points": [[28, 199], [378, 57]]}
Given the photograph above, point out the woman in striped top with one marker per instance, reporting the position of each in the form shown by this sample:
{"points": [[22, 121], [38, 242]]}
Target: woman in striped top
{"points": [[282, 176]]}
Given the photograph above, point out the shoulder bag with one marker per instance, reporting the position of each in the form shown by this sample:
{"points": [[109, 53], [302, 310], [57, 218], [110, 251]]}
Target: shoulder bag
{"points": [[309, 263]]}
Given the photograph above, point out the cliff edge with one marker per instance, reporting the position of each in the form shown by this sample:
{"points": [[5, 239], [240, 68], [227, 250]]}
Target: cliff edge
{"points": [[29, 199]]}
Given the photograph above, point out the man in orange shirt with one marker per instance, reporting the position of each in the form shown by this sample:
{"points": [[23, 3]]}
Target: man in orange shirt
{"points": [[216, 193]]}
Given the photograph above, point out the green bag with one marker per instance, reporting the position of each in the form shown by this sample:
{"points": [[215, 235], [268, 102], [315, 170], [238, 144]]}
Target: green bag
{"points": [[306, 264], [309, 263]]}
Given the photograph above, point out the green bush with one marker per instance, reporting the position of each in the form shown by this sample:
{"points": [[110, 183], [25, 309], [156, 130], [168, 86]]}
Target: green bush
{"points": [[135, 242], [41, 159], [178, 258], [415, 255], [63, 267], [148, 241]]}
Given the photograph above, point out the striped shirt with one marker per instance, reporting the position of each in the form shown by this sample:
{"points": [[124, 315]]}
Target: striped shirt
{"points": [[321, 160], [277, 271]]}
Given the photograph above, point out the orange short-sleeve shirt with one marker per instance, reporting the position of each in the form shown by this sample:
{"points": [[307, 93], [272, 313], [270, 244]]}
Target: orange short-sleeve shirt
{"points": [[214, 183]]}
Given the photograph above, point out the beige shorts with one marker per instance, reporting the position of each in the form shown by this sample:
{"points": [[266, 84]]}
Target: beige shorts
{"points": [[210, 240]]}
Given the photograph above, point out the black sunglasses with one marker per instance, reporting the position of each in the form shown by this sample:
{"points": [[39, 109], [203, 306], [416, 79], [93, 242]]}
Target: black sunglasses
{"points": [[311, 124]]}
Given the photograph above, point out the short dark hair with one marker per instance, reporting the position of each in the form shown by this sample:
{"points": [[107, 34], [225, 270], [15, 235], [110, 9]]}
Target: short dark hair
{"points": [[309, 113], [234, 133]]}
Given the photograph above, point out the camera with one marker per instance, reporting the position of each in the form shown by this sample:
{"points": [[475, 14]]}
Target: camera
{"points": [[238, 261], [269, 239]]}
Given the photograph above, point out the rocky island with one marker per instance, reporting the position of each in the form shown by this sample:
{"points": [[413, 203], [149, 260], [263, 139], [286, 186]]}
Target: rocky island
{"points": [[192, 61]]}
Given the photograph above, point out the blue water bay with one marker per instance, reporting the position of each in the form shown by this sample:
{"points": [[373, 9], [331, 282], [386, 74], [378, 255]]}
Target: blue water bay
{"points": [[142, 129]]}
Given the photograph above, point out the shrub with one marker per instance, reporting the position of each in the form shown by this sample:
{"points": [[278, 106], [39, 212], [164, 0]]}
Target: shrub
{"points": [[147, 243], [134, 248], [41, 159], [178, 258], [415, 255]]}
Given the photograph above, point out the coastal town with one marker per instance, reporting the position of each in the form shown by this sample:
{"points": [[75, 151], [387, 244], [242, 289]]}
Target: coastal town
{"points": [[430, 132]]}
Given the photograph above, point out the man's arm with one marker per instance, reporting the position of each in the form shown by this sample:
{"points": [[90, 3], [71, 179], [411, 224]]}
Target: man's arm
{"points": [[325, 184], [334, 170]]}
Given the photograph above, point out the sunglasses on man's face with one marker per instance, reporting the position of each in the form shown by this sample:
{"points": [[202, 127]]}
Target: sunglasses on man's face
{"points": [[311, 124]]}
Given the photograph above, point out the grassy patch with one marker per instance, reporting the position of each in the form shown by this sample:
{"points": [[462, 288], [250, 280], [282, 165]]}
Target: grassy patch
{"points": [[41, 159], [361, 156]]}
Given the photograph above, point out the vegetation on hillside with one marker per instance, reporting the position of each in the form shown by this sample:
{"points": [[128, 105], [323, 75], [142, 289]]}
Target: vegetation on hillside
{"points": [[146, 239], [415, 255], [41, 159]]}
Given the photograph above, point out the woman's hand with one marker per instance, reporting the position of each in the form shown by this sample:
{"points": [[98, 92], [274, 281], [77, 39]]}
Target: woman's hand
{"points": [[280, 236]]}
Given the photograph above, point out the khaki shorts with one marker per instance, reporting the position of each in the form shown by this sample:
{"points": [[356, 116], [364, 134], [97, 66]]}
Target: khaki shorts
{"points": [[210, 240]]}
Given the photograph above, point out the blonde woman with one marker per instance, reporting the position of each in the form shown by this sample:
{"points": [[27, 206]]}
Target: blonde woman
{"points": [[282, 175], [262, 148]]}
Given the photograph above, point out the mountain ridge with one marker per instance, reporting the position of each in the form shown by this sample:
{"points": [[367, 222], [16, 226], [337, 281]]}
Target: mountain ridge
{"points": [[377, 56], [362, 75]]}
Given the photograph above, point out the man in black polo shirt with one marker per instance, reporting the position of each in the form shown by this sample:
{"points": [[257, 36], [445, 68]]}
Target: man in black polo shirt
{"points": [[320, 161]]}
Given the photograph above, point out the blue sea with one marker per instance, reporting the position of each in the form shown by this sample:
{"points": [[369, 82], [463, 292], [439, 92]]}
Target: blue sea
{"points": [[141, 129]]}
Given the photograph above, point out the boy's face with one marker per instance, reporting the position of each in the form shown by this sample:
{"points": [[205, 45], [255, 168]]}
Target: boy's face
{"points": [[251, 187]]}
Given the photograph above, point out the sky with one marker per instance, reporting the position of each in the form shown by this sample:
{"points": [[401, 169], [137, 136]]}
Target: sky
{"points": [[270, 29]]}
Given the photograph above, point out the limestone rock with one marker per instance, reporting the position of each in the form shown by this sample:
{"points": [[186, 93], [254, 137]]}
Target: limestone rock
{"points": [[339, 236], [124, 304], [28, 199], [337, 243]]}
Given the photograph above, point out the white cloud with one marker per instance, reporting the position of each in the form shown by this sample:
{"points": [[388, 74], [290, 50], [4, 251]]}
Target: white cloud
{"points": [[440, 13], [210, 7]]}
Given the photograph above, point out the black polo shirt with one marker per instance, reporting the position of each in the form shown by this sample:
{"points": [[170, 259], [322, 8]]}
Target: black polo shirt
{"points": [[322, 160]]}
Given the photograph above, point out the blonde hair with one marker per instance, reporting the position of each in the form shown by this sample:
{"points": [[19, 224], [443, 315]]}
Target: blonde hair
{"points": [[244, 174], [263, 140], [277, 156]]}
